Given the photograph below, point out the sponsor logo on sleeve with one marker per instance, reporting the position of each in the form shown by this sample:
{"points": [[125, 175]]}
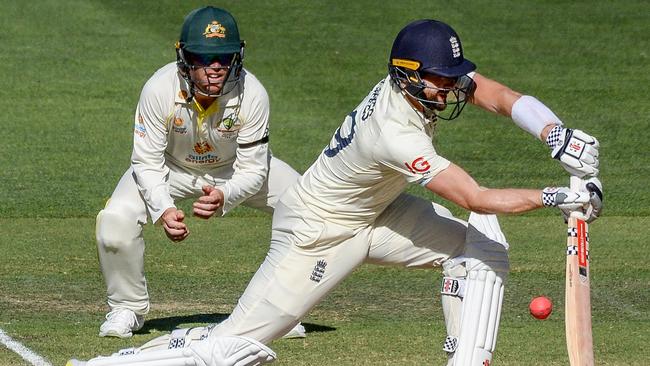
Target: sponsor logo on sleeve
{"points": [[418, 166], [139, 129]]}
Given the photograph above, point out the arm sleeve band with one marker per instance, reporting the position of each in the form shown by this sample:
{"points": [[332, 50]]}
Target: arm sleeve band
{"points": [[532, 116]]}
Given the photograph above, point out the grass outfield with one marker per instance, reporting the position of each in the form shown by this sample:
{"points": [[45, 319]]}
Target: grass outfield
{"points": [[72, 72]]}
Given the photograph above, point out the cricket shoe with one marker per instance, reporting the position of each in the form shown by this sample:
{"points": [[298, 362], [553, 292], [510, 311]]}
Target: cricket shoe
{"points": [[121, 323], [297, 332]]}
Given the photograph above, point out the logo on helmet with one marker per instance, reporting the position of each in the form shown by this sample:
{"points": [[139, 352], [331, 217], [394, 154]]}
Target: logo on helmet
{"points": [[455, 46], [215, 29], [411, 65]]}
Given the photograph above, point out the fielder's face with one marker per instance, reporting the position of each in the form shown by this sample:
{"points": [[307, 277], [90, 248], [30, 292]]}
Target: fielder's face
{"points": [[209, 72]]}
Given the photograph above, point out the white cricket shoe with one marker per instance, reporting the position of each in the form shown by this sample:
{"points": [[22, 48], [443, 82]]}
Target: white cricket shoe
{"points": [[297, 332], [121, 323]]}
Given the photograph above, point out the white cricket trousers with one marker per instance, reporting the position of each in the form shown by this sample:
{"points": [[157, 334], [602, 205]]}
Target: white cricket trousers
{"points": [[119, 225], [309, 257]]}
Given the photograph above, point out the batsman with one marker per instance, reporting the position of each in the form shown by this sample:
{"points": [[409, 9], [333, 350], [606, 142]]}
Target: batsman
{"points": [[350, 208]]}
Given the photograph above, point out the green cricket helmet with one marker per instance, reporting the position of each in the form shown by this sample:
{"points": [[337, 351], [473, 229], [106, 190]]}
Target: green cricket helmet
{"points": [[209, 37]]}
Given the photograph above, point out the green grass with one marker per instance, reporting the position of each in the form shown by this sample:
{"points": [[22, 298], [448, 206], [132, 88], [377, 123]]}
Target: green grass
{"points": [[72, 72]]}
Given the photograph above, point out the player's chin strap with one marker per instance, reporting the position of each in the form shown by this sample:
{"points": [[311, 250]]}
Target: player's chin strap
{"points": [[472, 292], [184, 350]]}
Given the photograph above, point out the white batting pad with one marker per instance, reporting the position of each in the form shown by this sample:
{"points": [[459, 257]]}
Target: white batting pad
{"points": [[172, 357], [233, 351], [217, 351], [486, 263], [178, 338]]}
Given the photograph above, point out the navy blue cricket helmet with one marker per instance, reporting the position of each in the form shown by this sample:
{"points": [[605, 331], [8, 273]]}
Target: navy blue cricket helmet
{"points": [[430, 46]]}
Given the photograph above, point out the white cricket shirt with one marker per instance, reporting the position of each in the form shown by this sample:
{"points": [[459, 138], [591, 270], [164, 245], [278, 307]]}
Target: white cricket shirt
{"points": [[168, 128], [381, 147]]}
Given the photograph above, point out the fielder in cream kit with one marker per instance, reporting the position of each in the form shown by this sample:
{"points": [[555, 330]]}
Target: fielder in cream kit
{"points": [[349, 208], [201, 131]]}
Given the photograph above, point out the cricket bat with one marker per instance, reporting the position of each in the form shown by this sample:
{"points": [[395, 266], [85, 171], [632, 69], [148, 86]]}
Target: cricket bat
{"points": [[577, 314]]}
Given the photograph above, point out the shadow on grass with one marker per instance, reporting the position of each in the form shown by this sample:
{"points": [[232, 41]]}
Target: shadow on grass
{"points": [[172, 322]]}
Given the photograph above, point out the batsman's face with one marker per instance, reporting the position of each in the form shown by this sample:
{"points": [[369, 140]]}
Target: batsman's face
{"points": [[437, 89]]}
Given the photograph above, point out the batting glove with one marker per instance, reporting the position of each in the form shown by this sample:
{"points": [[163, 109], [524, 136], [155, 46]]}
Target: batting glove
{"points": [[588, 200], [576, 151], [595, 189], [565, 199]]}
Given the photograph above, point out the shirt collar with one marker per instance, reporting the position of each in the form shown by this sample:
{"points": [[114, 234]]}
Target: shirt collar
{"points": [[407, 112]]}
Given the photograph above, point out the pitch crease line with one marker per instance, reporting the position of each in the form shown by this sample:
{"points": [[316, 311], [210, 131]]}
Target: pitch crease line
{"points": [[24, 352]]}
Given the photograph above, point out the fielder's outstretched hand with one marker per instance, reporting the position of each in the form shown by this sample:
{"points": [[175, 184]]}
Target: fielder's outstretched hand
{"points": [[576, 151], [211, 201], [172, 221]]}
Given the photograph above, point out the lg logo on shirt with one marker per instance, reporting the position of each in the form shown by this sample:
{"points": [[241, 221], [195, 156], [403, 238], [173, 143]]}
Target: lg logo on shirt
{"points": [[418, 165]]}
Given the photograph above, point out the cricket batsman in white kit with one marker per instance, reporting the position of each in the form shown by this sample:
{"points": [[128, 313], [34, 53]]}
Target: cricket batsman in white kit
{"points": [[201, 131], [349, 208]]}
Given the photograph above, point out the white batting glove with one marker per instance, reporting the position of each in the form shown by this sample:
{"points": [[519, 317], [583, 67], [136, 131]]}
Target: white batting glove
{"points": [[565, 199], [576, 151], [588, 200], [595, 189]]}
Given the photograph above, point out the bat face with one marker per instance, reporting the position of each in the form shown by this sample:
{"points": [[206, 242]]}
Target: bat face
{"points": [[577, 293]]}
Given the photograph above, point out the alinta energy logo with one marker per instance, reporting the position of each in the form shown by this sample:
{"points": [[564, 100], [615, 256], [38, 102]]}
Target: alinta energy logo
{"points": [[202, 147], [215, 29]]}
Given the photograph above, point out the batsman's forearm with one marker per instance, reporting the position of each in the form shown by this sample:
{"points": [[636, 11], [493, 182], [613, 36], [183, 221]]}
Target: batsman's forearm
{"points": [[506, 201]]}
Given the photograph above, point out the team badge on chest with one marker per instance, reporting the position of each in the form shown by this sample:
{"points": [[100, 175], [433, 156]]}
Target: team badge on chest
{"points": [[228, 127]]}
